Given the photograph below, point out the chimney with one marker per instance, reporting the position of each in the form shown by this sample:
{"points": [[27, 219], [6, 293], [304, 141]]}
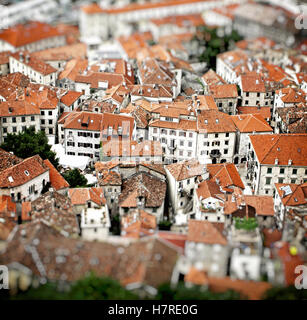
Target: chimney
{"points": [[27, 58], [290, 162], [276, 161]]}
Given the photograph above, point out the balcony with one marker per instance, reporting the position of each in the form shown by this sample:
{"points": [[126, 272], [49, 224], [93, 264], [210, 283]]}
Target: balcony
{"points": [[215, 153]]}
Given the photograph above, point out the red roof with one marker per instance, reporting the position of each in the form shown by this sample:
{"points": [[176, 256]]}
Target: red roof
{"points": [[56, 179], [23, 34], [283, 147]]}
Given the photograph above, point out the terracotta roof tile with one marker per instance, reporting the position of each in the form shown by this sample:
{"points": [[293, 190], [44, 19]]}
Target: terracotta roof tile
{"points": [[224, 91], [251, 123], [186, 169], [226, 174], [283, 147], [56, 179], [205, 232], [80, 196], [23, 34], [22, 172], [142, 185]]}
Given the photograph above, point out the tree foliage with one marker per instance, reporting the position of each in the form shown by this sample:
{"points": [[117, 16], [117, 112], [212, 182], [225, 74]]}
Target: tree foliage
{"points": [[30, 143], [214, 44], [91, 287], [245, 223], [181, 292], [75, 178], [288, 293]]}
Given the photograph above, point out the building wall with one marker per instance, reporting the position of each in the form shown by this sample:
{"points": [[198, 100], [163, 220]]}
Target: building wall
{"points": [[17, 66], [8, 126], [23, 190]]}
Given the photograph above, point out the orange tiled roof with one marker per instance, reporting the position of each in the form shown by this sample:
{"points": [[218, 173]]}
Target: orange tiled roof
{"points": [[23, 34], [196, 277], [224, 91], [17, 108], [251, 123], [186, 169], [212, 78], [73, 51], [226, 173], [290, 95], [297, 197], [80, 196], [253, 290], [205, 232], [73, 68], [22, 172], [252, 83], [207, 189], [70, 97], [265, 112], [7, 160], [142, 185], [56, 179], [283, 147], [212, 121]]}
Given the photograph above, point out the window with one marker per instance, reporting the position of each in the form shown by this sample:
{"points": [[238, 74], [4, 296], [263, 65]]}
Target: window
{"points": [[14, 119], [96, 135], [4, 130], [191, 135], [42, 121], [280, 180], [282, 171], [305, 171], [225, 151], [246, 102], [71, 144], [32, 118], [181, 142], [226, 142], [4, 120], [50, 121], [155, 130], [258, 94], [294, 171], [216, 135], [268, 180], [42, 113], [188, 181], [190, 144], [23, 119], [189, 154], [227, 134], [247, 94], [293, 180], [14, 129], [269, 170], [50, 131]]}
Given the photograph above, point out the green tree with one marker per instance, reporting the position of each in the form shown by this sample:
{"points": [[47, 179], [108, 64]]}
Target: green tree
{"points": [[99, 288], [75, 178], [181, 292], [30, 143], [165, 225], [214, 44], [90, 287], [288, 293]]}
